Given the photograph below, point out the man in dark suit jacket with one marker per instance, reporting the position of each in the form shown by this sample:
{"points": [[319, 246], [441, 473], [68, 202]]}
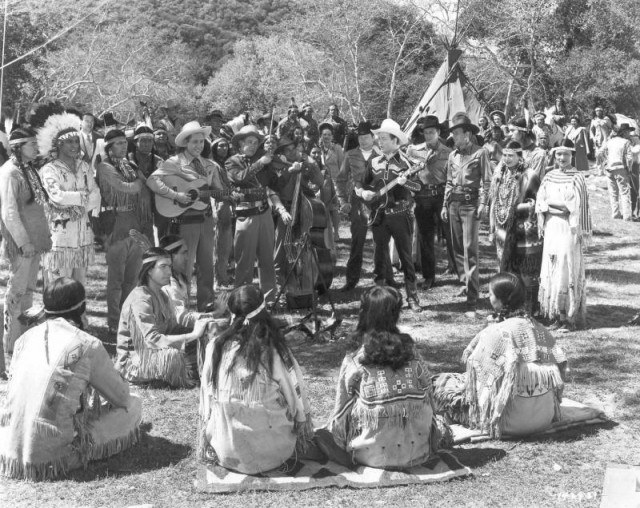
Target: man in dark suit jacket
{"points": [[353, 168]]}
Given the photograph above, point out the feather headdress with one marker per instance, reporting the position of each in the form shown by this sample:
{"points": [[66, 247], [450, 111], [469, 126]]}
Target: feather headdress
{"points": [[56, 128]]}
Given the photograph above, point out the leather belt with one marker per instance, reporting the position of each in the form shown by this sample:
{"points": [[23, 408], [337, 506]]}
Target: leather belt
{"points": [[118, 209], [399, 207], [250, 212], [246, 205], [463, 198]]}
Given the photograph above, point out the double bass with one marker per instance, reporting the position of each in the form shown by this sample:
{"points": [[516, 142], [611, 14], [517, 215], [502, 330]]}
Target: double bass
{"points": [[307, 254]]}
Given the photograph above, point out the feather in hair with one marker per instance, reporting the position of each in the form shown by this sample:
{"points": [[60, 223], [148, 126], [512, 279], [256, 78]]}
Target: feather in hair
{"points": [[54, 125]]}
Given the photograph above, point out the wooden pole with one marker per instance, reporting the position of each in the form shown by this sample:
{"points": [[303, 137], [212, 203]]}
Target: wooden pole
{"points": [[4, 38]]}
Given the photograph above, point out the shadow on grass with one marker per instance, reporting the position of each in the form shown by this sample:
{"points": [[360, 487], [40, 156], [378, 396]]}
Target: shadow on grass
{"points": [[610, 246], [150, 454], [609, 316], [581, 432], [602, 363], [478, 457], [615, 276]]}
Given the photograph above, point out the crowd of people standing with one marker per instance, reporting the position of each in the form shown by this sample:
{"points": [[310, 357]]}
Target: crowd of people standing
{"points": [[182, 198]]}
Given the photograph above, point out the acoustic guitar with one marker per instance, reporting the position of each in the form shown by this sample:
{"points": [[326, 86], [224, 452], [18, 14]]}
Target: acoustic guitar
{"points": [[382, 188]]}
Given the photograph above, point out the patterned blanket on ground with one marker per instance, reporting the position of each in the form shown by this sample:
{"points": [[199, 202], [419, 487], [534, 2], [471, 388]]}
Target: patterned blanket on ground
{"points": [[304, 475], [574, 414]]}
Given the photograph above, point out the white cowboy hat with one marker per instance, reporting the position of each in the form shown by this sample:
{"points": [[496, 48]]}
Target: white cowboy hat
{"points": [[190, 129], [390, 127]]}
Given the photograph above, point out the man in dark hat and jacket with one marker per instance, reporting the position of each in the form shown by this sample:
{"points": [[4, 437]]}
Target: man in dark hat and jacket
{"points": [[286, 191], [430, 198], [465, 197], [353, 169]]}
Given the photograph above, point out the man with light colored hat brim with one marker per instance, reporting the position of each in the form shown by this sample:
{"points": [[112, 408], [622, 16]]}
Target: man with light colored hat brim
{"points": [[466, 196], [196, 227], [250, 171], [395, 216], [619, 164]]}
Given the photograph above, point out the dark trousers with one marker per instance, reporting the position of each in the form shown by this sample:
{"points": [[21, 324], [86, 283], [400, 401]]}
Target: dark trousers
{"points": [[399, 227], [358, 237], [429, 222]]}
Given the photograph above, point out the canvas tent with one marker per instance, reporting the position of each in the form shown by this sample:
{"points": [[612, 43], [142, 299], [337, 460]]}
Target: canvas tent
{"points": [[449, 93]]}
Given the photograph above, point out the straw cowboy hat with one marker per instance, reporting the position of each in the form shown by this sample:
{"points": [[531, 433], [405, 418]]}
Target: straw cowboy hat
{"points": [[245, 132], [188, 130], [390, 127]]}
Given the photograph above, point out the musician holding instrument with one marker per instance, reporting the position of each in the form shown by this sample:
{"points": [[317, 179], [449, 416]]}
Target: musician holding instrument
{"points": [[430, 198], [465, 198], [292, 165], [251, 172], [126, 206], [394, 215], [354, 167], [195, 224]]}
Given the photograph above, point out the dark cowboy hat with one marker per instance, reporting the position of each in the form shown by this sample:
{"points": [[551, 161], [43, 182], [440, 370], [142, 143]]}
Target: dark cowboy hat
{"points": [[284, 142], [325, 125], [110, 121], [625, 127], [462, 120], [519, 123], [500, 114], [215, 113], [427, 122], [364, 128]]}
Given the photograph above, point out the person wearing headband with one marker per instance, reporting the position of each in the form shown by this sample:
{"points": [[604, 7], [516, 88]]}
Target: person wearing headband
{"points": [[512, 220], [155, 343], [564, 220], [514, 375], [24, 229], [383, 415], [533, 157], [66, 404], [126, 206], [254, 409], [72, 195]]}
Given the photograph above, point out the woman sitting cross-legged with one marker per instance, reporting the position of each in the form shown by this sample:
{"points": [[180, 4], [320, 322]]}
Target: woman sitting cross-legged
{"points": [[384, 415], [53, 419], [154, 343], [514, 379], [254, 408]]}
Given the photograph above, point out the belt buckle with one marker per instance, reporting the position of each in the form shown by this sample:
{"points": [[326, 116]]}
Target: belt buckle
{"points": [[467, 197]]}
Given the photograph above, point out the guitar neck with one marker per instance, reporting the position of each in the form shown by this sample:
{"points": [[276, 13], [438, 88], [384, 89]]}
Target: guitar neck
{"points": [[384, 190]]}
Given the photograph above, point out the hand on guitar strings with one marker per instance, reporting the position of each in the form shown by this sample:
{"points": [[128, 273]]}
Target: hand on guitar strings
{"points": [[183, 198]]}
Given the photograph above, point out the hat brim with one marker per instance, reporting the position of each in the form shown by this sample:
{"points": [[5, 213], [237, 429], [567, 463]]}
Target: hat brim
{"points": [[325, 125], [404, 139], [499, 113], [181, 138], [474, 128], [243, 135]]}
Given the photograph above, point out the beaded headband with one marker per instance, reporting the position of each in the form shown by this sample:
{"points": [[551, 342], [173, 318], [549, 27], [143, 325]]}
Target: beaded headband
{"points": [[19, 141], [511, 151], [152, 259]]}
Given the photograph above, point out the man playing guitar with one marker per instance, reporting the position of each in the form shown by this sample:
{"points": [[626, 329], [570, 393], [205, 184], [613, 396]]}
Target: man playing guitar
{"points": [[194, 226], [395, 217]]}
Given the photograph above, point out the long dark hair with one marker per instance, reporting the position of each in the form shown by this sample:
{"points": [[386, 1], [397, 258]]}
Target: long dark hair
{"points": [[509, 290], [257, 339], [167, 240], [143, 275], [65, 293], [379, 310], [16, 153]]}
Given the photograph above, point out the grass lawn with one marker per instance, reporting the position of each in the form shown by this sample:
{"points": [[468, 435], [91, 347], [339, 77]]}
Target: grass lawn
{"points": [[566, 470]]}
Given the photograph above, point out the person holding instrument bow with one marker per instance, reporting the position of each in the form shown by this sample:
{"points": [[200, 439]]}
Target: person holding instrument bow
{"points": [[395, 218], [250, 170], [286, 190]]}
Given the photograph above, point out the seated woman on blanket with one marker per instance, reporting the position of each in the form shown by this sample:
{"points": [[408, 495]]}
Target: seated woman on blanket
{"points": [[154, 342], [54, 418], [384, 415], [254, 408], [514, 379]]}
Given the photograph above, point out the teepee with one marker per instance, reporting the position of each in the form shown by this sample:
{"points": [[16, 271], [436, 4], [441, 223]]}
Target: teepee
{"points": [[449, 93]]}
